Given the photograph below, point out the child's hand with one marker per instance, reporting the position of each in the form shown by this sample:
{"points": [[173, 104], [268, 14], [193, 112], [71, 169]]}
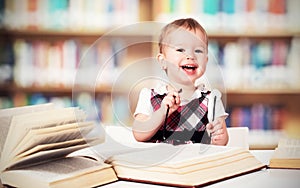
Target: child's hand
{"points": [[172, 100], [218, 132]]}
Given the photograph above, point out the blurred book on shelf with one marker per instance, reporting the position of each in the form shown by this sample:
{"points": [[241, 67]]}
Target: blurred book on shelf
{"points": [[6, 62], [56, 63], [265, 64], [257, 116], [265, 122], [259, 65], [236, 16], [78, 15], [103, 108]]}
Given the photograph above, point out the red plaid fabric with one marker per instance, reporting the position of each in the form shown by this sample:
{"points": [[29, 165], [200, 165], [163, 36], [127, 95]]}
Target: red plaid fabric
{"points": [[191, 117]]}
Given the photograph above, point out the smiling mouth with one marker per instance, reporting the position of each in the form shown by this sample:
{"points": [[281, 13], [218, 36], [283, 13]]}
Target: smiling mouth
{"points": [[189, 67]]}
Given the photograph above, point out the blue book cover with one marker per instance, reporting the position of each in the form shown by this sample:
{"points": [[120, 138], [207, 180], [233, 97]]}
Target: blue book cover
{"points": [[267, 117], [211, 6], [7, 59], [2, 9], [37, 98], [58, 10], [57, 5], [246, 117], [261, 54], [227, 6], [172, 4]]}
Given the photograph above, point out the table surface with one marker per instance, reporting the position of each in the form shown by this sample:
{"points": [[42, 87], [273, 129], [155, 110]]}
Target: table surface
{"points": [[288, 178]]}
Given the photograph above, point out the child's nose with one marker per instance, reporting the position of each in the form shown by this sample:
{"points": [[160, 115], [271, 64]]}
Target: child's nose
{"points": [[190, 56]]}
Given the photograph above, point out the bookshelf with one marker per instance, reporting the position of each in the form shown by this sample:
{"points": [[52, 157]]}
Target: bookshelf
{"points": [[266, 85]]}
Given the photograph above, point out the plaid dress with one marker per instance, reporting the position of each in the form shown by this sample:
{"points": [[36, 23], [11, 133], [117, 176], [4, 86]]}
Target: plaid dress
{"points": [[185, 125]]}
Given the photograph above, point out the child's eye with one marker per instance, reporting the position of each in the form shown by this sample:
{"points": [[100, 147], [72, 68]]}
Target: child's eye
{"points": [[180, 50], [198, 51]]}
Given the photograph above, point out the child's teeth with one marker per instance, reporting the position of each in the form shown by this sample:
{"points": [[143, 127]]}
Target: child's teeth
{"points": [[188, 67]]}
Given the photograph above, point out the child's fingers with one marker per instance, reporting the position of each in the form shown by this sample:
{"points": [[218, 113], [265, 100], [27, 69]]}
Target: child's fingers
{"points": [[214, 126], [176, 97], [217, 132], [209, 127], [217, 138], [172, 98], [171, 101], [168, 100]]}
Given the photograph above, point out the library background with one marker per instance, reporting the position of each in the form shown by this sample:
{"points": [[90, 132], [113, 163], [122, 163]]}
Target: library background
{"points": [[256, 43]]}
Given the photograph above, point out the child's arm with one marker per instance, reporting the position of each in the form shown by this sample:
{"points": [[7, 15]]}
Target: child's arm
{"points": [[218, 131], [144, 126]]}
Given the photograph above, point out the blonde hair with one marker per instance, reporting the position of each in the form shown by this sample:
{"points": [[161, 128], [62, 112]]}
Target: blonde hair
{"points": [[187, 23]]}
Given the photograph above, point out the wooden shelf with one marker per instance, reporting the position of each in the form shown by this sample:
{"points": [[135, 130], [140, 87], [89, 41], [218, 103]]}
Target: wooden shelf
{"points": [[108, 89], [134, 30], [142, 29], [57, 90], [254, 34], [270, 91]]}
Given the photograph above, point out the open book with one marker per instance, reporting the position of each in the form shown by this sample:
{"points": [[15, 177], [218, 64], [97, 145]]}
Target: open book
{"points": [[48, 151], [35, 142], [188, 165], [287, 154]]}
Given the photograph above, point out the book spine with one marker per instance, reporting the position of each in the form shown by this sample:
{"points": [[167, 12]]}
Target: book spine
{"points": [[32, 6], [6, 62], [2, 9], [58, 10], [257, 117]]}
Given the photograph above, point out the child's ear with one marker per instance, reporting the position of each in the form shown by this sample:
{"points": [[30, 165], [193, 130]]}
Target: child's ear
{"points": [[160, 58]]}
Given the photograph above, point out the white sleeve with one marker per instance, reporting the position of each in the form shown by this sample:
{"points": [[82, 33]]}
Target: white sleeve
{"points": [[219, 108], [144, 104], [220, 111]]}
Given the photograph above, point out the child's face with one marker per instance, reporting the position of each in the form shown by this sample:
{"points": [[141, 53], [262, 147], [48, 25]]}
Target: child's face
{"points": [[185, 55]]}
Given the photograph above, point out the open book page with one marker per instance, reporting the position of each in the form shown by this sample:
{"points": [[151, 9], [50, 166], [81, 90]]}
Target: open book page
{"points": [[26, 109], [66, 172], [288, 142], [6, 116], [288, 148], [109, 149], [21, 124], [169, 155], [287, 153], [52, 135], [57, 145], [60, 144], [42, 157]]}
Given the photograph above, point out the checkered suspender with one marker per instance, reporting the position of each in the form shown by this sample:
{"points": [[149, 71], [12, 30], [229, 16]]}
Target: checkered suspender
{"points": [[181, 119]]}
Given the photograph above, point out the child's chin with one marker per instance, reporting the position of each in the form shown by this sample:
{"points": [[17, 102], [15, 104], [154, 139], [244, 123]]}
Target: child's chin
{"points": [[188, 81]]}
